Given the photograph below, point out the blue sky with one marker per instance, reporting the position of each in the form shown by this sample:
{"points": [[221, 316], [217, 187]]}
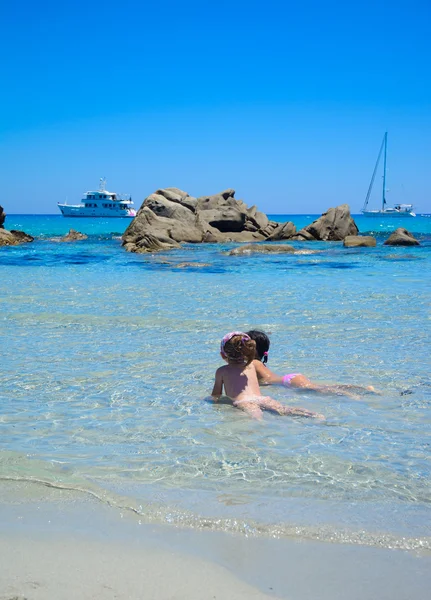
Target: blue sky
{"points": [[286, 102]]}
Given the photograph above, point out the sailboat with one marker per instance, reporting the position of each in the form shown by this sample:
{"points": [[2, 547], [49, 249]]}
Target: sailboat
{"points": [[398, 210]]}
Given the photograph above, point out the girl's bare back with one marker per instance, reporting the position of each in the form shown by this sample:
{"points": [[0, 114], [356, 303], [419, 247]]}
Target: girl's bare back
{"points": [[239, 381]]}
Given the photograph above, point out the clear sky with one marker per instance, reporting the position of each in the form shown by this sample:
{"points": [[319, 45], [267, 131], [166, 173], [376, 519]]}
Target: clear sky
{"points": [[286, 102]]}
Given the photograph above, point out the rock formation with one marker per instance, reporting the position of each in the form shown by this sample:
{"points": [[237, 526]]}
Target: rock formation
{"points": [[334, 225], [170, 216], [14, 237], [359, 241], [73, 236], [401, 237], [262, 249], [191, 265]]}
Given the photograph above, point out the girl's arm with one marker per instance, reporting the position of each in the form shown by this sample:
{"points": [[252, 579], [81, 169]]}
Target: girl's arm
{"points": [[218, 386], [265, 376]]}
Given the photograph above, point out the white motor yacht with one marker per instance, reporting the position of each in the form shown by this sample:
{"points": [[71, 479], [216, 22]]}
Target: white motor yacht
{"points": [[100, 204]]}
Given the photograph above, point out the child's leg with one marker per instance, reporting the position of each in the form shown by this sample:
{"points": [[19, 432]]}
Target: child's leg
{"points": [[268, 403], [339, 389], [289, 411], [271, 404], [351, 391], [251, 408], [369, 389]]}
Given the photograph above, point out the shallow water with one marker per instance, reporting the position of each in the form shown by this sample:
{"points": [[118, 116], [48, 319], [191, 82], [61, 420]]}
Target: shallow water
{"points": [[108, 358]]}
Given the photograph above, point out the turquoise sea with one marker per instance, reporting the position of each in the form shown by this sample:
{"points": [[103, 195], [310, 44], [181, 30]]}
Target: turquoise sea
{"points": [[108, 358]]}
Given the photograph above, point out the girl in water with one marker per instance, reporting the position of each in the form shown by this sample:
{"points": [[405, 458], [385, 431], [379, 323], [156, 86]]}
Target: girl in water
{"points": [[295, 380], [239, 379]]}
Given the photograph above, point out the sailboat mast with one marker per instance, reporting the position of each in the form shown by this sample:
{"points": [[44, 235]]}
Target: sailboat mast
{"points": [[384, 173], [370, 187]]}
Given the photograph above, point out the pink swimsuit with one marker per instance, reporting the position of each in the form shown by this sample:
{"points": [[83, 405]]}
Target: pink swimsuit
{"points": [[288, 378]]}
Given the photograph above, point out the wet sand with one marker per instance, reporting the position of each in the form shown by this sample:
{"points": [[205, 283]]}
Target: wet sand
{"points": [[82, 549]]}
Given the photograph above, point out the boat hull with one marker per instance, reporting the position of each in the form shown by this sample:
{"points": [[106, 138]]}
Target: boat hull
{"points": [[82, 211], [385, 215]]}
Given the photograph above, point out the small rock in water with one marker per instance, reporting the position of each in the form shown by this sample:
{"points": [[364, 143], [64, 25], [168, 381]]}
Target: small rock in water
{"points": [[262, 249], [359, 241], [74, 235], [401, 237], [185, 265]]}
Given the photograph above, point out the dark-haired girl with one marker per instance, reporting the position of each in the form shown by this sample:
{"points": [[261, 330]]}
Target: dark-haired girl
{"points": [[295, 380]]}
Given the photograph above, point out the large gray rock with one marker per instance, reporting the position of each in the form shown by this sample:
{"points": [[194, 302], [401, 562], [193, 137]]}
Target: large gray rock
{"points": [[170, 216], [2, 217], [359, 241], [401, 237], [14, 237], [334, 225]]}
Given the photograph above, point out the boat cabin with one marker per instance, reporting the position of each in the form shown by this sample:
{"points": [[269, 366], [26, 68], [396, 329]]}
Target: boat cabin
{"points": [[104, 199], [403, 207]]}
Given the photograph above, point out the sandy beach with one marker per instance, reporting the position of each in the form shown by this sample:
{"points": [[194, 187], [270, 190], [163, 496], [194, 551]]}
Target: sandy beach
{"points": [[69, 568], [61, 546]]}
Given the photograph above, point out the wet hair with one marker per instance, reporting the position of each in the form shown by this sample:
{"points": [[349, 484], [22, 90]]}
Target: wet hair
{"points": [[240, 349], [262, 344]]}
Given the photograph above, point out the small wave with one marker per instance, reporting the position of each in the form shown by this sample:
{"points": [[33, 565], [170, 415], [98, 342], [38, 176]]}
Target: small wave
{"points": [[161, 513]]}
